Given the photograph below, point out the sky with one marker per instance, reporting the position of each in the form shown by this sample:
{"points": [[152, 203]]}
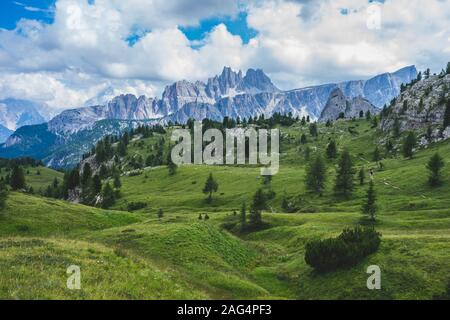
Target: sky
{"points": [[67, 52]]}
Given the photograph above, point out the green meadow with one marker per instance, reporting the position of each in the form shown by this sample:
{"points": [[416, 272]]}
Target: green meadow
{"points": [[136, 255]]}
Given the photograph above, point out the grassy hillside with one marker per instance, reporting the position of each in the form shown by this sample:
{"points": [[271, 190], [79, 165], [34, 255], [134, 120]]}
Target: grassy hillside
{"points": [[180, 256]]}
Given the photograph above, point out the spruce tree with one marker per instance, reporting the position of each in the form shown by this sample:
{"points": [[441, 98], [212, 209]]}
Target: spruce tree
{"points": [[435, 165], [303, 139], [332, 150], [447, 114], [160, 213], [243, 214], [316, 175], [117, 183], [86, 176], [211, 186], [362, 176], [17, 178], [409, 144], [108, 196], [313, 130], [376, 154], [3, 194], [259, 204], [396, 128], [370, 207], [344, 179], [96, 186]]}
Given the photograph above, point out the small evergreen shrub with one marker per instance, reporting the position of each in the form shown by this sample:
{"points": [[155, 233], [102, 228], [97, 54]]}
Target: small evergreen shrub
{"points": [[344, 251], [134, 206]]}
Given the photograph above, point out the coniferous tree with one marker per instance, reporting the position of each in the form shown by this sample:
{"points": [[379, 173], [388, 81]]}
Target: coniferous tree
{"points": [[362, 176], [409, 144], [211, 186], [447, 114], [108, 196], [171, 165], [396, 128], [376, 154], [316, 175], [160, 213], [303, 139], [313, 129], [117, 183], [435, 165], [370, 207], [121, 148], [448, 68], [332, 150], [259, 204], [344, 179], [17, 178], [3, 194], [86, 176], [96, 187], [307, 153], [243, 214]]}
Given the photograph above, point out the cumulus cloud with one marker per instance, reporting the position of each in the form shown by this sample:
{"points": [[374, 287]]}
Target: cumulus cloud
{"points": [[85, 51]]}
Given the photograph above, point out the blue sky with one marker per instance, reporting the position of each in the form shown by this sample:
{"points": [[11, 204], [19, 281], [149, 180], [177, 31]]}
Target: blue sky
{"points": [[12, 11], [84, 47]]}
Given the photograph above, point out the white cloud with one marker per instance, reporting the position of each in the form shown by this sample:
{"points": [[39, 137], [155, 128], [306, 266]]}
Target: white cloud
{"points": [[299, 42]]}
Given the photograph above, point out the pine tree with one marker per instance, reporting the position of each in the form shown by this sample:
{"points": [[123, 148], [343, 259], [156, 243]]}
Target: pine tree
{"points": [[243, 214], [303, 139], [344, 180], [86, 176], [447, 114], [117, 183], [396, 128], [409, 144], [121, 149], [108, 196], [160, 213], [332, 150], [361, 114], [362, 176], [313, 130], [211, 186], [435, 165], [448, 68], [307, 153], [3, 194], [376, 154], [316, 175], [368, 115], [370, 207], [17, 178], [171, 165], [96, 184], [259, 204]]}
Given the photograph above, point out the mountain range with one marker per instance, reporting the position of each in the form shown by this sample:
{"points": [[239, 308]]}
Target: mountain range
{"points": [[230, 94]]}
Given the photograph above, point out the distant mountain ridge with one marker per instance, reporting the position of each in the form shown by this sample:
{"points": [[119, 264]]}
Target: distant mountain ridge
{"points": [[230, 94]]}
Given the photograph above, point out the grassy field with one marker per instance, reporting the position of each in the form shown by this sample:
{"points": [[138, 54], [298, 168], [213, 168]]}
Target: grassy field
{"points": [[126, 255]]}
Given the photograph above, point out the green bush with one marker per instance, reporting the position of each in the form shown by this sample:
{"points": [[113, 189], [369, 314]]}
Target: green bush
{"points": [[134, 206], [344, 251]]}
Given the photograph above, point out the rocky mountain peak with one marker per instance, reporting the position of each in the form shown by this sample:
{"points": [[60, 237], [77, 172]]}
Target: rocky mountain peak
{"points": [[257, 81], [338, 105]]}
